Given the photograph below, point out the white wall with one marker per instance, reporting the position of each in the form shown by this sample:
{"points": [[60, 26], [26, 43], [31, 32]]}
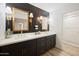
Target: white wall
{"points": [[56, 26], [57, 16], [71, 27], [52, 23], [2, 21]]}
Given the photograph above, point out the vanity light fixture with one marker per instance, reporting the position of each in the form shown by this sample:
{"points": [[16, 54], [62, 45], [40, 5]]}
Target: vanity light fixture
{"points": [[36, 29], [31, 16], [36, 26], [8, 10], [8, 13], [40, 19]]}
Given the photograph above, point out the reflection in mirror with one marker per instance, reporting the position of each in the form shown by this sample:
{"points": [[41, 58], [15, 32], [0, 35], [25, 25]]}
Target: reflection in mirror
{"points": [[20, 17], [30, 18], [43, 21], [8, 13], [8, 19]]}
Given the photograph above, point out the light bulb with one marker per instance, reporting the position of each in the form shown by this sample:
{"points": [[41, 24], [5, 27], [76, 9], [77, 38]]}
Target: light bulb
{"points": [[41, 17], [31, 15], [8, 10]]}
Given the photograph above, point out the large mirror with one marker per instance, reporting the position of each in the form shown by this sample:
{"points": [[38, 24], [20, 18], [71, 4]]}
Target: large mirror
{"points": [[25, 18], [20, 20], [44, 22]]}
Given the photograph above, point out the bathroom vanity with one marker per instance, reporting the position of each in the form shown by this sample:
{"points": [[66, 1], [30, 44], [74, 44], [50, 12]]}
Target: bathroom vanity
{"points": [[28, 45], [27, 31]]}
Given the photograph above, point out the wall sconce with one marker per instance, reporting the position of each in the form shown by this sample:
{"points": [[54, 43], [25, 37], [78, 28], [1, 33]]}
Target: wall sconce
{"points": [[30, 16], [40, 19], [36, 26], [36, 29], [8, 13]]}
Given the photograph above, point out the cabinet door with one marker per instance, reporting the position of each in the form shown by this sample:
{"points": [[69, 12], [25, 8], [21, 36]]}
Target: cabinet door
{"points": [[50, 42], [53, 40], [5, 51], [41, 46], [26, 48], [11, 50], [29, 48]]}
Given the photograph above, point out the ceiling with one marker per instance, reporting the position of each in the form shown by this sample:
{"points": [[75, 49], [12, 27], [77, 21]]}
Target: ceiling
{"points": [[50, 7]]}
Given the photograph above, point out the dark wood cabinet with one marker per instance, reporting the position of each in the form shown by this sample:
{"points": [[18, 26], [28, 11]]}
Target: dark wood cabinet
{"points": [[29, 48], [34, 47], [50, 41], [12, 50], [41, 46], [19, 49]]}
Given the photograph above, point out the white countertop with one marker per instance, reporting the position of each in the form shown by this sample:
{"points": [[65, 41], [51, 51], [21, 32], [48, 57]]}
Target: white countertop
{"points": [[26, 36]]}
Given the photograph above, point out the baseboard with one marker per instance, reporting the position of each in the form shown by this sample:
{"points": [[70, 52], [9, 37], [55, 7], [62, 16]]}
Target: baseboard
{"points": [[71, 44], [63, 42], [70, 48]]}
